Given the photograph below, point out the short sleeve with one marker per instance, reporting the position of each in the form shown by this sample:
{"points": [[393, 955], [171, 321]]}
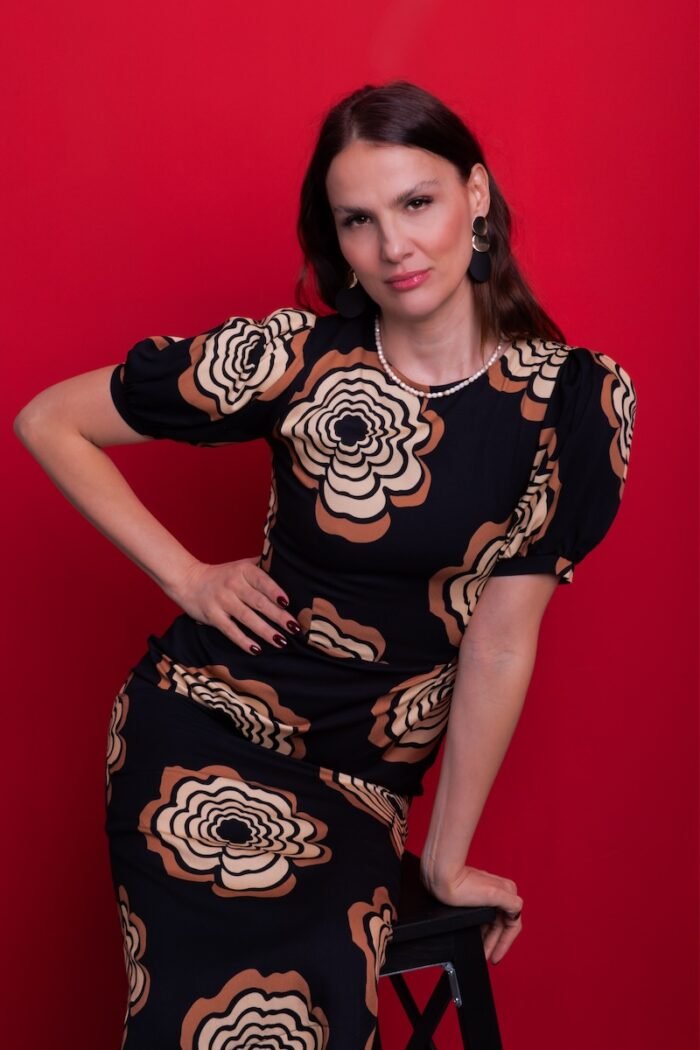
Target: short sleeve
{"points": [[222, 386], [577, 485]]}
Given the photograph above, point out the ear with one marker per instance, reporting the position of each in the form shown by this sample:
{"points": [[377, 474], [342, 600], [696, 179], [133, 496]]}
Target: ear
{"points": [[478, 186]]}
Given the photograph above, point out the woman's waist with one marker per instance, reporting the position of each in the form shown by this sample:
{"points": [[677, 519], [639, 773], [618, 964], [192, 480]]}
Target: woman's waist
{"points": [[211, 703], [371, 620]]}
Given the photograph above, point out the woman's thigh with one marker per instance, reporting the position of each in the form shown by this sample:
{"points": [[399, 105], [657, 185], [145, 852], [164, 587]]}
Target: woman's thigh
{"points": [[256, 901]]}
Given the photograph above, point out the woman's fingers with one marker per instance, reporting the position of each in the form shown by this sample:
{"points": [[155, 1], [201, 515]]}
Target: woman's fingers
{"points": [[234, 634], [241, 611], [492, 933], [474, 886], [267, 598], [242, 601], [498, 936], [508, 931]]}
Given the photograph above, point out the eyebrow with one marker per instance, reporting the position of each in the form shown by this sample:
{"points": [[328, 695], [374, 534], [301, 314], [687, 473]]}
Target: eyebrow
{"points": [[397, 201]]}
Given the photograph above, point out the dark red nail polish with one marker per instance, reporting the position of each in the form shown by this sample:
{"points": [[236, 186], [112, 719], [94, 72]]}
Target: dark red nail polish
{"points": [[279, 639], [283, 602], [255, 648], [293, 626]]}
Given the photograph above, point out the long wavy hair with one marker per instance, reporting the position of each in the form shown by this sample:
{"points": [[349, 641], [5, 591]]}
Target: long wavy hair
{"points": [[401, 113]]}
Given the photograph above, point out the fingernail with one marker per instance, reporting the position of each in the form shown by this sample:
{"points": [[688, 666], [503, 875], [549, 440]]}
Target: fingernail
{"points": [[282, 601], [255, 648], [279, 639], [293, 626]]}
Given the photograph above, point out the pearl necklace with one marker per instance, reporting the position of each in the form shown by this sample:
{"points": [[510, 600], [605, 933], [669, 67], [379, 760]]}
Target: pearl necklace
{"points": [[427, 393]]}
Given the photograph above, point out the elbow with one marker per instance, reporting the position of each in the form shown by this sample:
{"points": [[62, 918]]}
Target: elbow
{"points": [[32, 422], [22, 423]]}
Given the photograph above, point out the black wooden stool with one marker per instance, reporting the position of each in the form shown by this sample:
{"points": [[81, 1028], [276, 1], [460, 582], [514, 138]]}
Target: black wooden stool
{"points": [[429, 933]]}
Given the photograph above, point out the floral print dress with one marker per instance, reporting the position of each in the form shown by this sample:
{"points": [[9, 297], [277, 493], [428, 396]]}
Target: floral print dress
{"points": [[257, 804]]}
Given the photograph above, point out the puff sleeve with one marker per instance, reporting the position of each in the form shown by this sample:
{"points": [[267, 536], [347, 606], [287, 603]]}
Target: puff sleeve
{"points": [[579, 478], [219, 387]]}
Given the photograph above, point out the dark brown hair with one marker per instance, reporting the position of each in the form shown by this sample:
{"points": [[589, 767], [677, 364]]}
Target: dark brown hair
{"points": [[401, 113]]}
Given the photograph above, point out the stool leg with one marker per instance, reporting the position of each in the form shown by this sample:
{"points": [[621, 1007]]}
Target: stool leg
{"points": [[425, 1027], [478, 1022]]}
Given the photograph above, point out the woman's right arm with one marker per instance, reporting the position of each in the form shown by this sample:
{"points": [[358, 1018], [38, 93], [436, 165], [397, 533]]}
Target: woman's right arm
{"points": [[66, 427]]}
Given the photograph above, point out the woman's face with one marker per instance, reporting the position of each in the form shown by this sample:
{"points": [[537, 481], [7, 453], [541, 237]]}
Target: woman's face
{"points": [[403, 217]]}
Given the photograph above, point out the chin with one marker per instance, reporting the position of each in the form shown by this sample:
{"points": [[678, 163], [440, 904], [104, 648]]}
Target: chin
{"points": [[424, 301], [413, 305]]}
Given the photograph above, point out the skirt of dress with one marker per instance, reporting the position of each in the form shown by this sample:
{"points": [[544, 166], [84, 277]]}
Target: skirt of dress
{"points": [[256, 904]]}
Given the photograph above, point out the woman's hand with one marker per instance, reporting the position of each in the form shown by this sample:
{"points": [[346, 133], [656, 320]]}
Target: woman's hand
{"points": [[473, 887], [213, 594]]}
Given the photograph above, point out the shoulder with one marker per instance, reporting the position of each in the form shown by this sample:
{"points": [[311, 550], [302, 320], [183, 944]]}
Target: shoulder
{"points": [[592, 409], [583, 365], [594, 383], [553, 377], [282, 324], [530, 356]]}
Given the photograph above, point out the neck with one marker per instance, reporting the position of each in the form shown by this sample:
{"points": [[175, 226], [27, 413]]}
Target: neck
{"points": [[441, 347]]}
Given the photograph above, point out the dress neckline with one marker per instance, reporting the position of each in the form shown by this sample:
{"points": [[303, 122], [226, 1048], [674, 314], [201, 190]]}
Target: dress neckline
{"points": [[492, 370]]}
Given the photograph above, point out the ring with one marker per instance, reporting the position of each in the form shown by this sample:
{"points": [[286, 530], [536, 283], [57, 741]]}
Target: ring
{"points": [[514, 916]]}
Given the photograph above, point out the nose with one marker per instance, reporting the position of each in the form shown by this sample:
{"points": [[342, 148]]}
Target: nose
{"points": [[394, 246]]}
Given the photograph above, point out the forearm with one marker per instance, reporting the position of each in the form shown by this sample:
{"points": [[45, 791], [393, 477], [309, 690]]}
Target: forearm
{"points": [[486, 704], [89, 479]]}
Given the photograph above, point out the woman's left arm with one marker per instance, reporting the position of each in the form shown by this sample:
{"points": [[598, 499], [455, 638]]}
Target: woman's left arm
{"points": [[495, 663]]}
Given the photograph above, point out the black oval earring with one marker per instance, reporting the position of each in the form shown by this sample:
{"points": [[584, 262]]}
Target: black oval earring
{"points": [[351, 301], [480, 264]]}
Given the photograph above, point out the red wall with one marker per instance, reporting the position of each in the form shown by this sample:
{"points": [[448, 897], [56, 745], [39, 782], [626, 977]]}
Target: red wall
{"points": [[152, 174]]}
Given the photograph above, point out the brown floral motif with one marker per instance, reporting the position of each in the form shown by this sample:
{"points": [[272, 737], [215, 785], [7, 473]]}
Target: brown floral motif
{"points": [[116, 745], [455, 590], [253, 1011], [326, 629], [371, 927], [530, 367], [252, 706], [360, 441], [619, 403], [537, 506], [244, 360], [134, 944], [266, 553], [384, 805], [409, 719], [245, 838]]}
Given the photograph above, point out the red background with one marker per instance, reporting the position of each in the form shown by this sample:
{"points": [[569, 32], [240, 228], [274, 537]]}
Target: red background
{"points": [[152, 171]]}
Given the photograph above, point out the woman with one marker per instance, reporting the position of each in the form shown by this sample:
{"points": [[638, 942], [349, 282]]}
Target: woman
{"points": [[441, 460]]}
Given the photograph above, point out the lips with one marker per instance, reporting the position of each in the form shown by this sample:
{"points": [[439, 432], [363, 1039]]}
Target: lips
{"points": [[404, 281]]}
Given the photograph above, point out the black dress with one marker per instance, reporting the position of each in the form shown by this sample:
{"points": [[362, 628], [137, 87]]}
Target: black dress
{"points": [[257, 804]]}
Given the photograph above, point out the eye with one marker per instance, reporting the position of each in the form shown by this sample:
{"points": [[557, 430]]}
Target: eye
{"points": [[356, 219], [421, 202]]}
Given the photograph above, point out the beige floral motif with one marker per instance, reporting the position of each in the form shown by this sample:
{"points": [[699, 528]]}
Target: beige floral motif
{"points": [[253, 706], [134, 944], [537, 506], [244, 360], [384, 805], [245, 838], [116, 745], [409, 719], [530, 367], [619, 401], [455, 590], [359, 441], [266, 553], [326, 629], [252, 1011], [371, 927]]}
